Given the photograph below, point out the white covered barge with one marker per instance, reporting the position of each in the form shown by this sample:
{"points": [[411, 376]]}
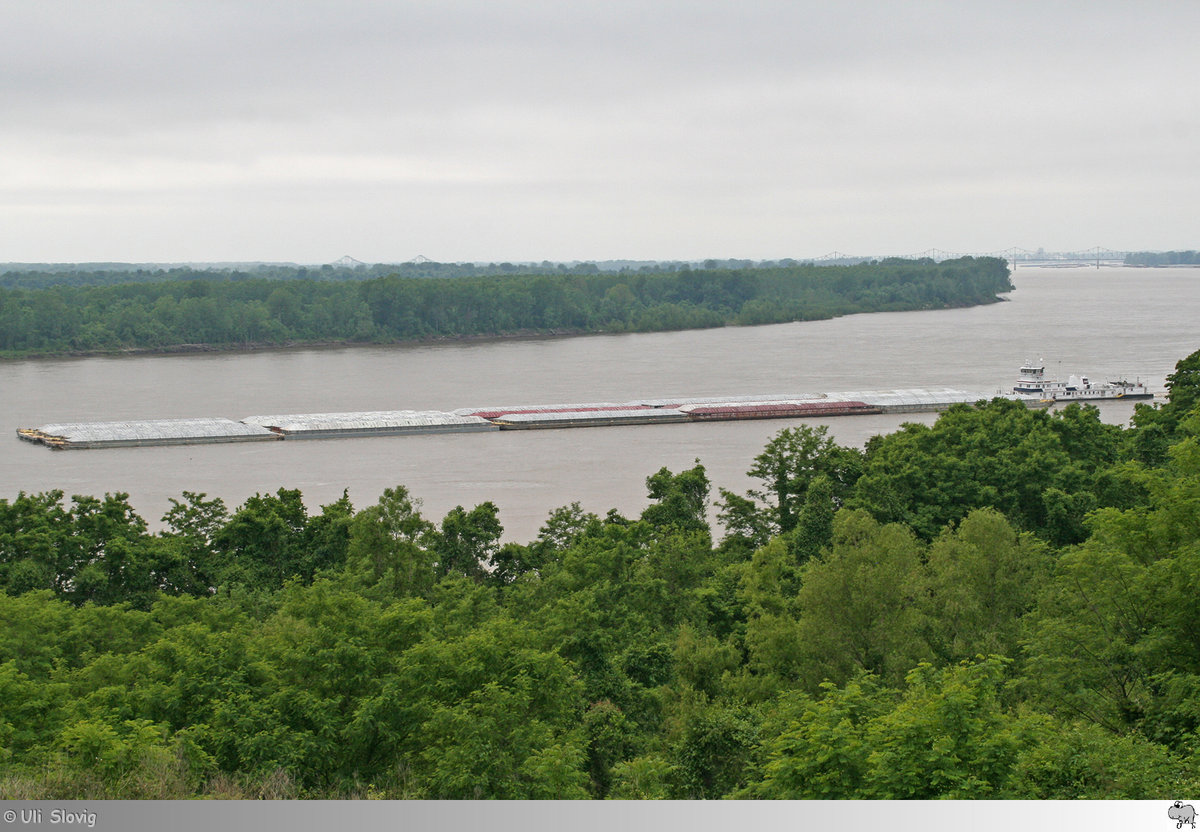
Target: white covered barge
{"points": [[368, 423], [520, 417], [583, 418], [139, 432]]}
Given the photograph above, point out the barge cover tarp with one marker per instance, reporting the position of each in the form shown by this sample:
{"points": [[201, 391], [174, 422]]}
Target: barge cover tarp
{"points": [[378, 422], [589, 418], [145, 432], [914, 400], [776, 410]]}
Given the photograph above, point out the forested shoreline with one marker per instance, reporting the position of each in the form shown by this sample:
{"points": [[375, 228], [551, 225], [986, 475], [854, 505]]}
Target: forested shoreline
{"points": [[1000, 605], [1163, 258], [239, 311]]}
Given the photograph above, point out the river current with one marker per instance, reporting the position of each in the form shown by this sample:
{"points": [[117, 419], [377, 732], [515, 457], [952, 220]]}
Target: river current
{"points": [[1105, 323]]}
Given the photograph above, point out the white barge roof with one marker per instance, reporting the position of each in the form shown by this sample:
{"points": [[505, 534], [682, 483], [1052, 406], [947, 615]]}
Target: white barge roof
{"points": [[914, 396], [740, 402], [153, 430], [641, 414], [534, 408], [752, 399], [364, 420]]}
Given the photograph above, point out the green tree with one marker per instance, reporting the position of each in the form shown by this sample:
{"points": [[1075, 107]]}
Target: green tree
{"points": [[1183, 385], [611, 739], [468, 540], [1038, 469], [946, 734], [813, 531], [822, 751], [263, 543], [388, 549], [789, 464], [642, 778], [768, 591], [983, 577], [483, 716], [327, 538], [1112, 634], [860, 604], [1086, 762], [35, 552], [680, 500], [711, 758]]}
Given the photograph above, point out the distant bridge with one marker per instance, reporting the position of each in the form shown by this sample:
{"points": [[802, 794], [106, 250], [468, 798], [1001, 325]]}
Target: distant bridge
{"points": [[1096, 257]]}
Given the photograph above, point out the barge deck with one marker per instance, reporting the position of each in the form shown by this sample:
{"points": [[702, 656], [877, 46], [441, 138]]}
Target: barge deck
{"points": [[63, 436]]}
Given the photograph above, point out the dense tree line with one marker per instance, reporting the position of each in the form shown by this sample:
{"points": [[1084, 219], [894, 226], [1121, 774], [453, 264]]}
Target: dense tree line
{"points": [[234, 311], [30, 276], [1000, 605], [1163, 258], [43, 275]]}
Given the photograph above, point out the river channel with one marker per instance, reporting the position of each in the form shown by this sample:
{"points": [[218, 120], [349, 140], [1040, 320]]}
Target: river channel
{"points": [[1106, 323]]}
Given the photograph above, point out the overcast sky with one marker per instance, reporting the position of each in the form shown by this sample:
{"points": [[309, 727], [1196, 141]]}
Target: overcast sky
{"points": [[593, 129]]}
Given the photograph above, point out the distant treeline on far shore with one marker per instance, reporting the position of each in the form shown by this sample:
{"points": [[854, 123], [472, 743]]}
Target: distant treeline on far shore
{"points": [[1163, 258], [43, 275], [278, 306]]}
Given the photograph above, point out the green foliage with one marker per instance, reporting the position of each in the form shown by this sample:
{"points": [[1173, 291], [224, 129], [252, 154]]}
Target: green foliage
{"points": [[1085, 762], [768, 592], [1112, 636], [820, 748], [643, 778], [388, 547], [792, 461], [947, 734], [1039, 469], [468, 541], [681, 500], [813, 531], [860, 606], [712, 754], [949, 737], [288, 305], [263, 543], [1158, 427], [97, 550], [270, 652], [1183, 385], [611, 739], [480, 716], [982, 579]]}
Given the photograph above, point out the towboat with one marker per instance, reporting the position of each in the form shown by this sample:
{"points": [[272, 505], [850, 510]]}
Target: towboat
{"points": [[1032, 383]]}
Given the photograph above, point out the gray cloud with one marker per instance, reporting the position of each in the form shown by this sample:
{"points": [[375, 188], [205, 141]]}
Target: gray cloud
{"points": [[523, 130]]}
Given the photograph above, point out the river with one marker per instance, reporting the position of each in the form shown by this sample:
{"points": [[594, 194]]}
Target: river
{"points": [[1106, 323]]}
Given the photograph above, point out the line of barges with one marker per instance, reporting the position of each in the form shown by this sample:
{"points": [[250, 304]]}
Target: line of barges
{"points": [[79, 435]]}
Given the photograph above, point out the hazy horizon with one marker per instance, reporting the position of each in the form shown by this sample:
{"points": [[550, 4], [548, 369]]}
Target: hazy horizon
{"points": [[513, 130], [1033, 254]]}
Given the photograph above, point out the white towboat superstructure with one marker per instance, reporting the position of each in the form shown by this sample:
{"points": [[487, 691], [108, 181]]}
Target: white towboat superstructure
{"points": [[1034, 384]]}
